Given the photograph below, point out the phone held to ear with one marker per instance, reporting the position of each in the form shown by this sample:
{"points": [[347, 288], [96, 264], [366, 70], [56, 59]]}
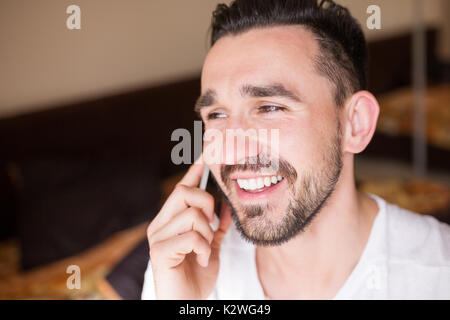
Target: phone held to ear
{"points": [[203, 184]]}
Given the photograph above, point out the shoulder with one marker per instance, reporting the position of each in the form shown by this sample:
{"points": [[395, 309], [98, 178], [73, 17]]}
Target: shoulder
{"points": [[414, 252], [417, 238]]}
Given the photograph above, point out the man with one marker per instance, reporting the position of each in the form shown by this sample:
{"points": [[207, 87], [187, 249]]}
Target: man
{"points": [[301, 229]]}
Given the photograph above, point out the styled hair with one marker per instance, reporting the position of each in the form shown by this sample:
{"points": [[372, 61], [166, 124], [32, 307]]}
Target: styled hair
{"points": [[342, 57]]}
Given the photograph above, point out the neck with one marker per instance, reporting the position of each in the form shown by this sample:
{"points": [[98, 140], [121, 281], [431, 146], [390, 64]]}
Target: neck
{"points": [[316, 263]]}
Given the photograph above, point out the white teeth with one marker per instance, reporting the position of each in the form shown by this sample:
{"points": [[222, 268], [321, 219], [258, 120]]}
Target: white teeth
{"points": [[258, 183], [252, 184]]}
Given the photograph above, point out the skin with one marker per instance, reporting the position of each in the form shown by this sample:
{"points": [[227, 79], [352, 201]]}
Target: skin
{"points": [[315, 263]]}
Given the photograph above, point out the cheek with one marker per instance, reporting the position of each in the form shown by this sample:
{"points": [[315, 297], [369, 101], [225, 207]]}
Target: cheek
{"points": [[304, 143], [213, 146], [298, 144]]}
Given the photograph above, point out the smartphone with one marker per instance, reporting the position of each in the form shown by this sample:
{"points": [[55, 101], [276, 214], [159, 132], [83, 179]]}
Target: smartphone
{"points": [[207, 185]]}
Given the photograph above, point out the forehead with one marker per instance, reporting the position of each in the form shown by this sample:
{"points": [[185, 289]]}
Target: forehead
{"points": [[282, 54]]}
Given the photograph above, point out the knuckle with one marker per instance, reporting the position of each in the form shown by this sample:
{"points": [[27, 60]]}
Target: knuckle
{"points": [[209, 202], [154, 246], [153, 225], [179, 188], [194, 238], [209, 198], [151, 242], [154, 251], [198, 218], [195, 214], [151, 229]]}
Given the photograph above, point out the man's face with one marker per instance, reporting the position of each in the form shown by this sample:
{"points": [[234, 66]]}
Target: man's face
{"points": [[266, 79]]}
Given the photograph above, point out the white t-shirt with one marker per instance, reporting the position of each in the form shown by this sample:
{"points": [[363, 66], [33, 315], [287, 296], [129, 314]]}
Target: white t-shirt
{"points": [[407, 256]]}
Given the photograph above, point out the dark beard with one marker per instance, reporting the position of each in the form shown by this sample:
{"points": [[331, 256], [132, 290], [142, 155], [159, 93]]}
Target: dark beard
{"points": [[314, 192]]}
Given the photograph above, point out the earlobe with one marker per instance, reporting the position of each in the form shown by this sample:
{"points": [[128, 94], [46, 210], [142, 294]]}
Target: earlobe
{"points": [[361, 116]]}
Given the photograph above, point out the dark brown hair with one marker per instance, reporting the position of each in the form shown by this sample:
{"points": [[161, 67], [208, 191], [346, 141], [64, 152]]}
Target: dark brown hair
{"points": [[343, 55]]}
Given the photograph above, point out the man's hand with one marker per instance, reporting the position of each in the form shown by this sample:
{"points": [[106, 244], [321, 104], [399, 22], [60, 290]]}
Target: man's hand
{"points": [[184, 250]]}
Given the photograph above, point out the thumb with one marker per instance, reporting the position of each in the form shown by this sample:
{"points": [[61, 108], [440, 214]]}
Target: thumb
{"points": [[225, 221]]}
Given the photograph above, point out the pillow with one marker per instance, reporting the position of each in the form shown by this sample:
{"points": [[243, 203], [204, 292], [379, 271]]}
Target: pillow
{"points": [[127, 277], [68, 204]]}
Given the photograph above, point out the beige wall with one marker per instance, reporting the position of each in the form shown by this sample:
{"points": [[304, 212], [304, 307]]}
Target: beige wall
{"points": [[123, 44], [396, 15]]}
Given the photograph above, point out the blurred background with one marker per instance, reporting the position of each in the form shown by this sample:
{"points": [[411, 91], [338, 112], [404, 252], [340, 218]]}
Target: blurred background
{"points": [[86, 118]]}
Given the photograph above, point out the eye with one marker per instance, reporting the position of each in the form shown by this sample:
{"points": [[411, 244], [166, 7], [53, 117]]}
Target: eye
{"points": [[216, 115], [270, 108]]}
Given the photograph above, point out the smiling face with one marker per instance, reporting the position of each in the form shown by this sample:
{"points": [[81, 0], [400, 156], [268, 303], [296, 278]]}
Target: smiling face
{"points": [[267, 79]]}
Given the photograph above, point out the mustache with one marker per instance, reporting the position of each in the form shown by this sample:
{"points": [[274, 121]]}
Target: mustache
{"points": [[255, 164]]}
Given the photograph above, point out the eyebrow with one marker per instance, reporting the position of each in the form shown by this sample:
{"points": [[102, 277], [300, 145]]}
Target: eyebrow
{"points": [[205, 100], [272, 90]]}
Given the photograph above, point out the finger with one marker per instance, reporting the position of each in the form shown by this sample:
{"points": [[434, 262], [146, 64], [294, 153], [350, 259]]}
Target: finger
{"points": [[184, 197], [188, 220], [193, 175], [224, 224], [171, 252]]}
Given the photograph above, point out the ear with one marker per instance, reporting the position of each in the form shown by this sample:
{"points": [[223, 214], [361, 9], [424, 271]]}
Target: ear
{"points": [[360, 117]]}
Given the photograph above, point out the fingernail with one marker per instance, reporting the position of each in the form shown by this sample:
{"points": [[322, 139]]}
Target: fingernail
{"points": [[215, 223]]}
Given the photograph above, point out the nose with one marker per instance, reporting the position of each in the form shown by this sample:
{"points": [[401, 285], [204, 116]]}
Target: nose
{"points": [[240, 141]]}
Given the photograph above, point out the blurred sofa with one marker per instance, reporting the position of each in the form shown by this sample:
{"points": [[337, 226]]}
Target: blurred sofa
{"points": [[73, 175]]}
